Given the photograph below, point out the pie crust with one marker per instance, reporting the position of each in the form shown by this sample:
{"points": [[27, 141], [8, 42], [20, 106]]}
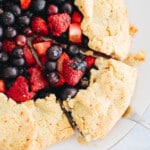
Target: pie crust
{"points": [[107, 26], [97, 109]]}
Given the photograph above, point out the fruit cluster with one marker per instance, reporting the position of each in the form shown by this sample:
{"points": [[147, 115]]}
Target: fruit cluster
{"points": [[29, 72]]}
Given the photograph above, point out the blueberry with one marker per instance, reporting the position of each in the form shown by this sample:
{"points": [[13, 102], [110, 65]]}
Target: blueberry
{"points": [[52, 77], [50, 66], [67, 8], [68, 92], [73, 50], [18, 52], [79, 64], [24, 21], [84, 82], [8, 18], [10, 32], [54, 52], [18, 62], [38, 5], [82, 66], [1, 31], [15, 10], [3, 57], [10, 72]]}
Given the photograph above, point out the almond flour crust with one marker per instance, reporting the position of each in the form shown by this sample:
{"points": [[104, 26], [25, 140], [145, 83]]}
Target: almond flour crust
{"points": [[32, 125], [106, 24], [97, 109]]}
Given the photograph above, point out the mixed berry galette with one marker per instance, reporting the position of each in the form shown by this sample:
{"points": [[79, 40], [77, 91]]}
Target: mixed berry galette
{"points": [[48, 68]]}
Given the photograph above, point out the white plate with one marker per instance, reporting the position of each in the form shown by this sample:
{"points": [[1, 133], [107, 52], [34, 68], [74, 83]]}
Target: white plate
{"points": [[139, 15]]}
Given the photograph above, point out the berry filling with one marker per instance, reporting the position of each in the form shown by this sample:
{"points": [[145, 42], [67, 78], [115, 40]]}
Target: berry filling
{"points": [[33, 66]]}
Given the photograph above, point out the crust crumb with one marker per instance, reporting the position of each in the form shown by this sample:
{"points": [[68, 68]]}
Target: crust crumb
{"points": [[133, 30], [82, 140], [135, 59], [128, 112]]}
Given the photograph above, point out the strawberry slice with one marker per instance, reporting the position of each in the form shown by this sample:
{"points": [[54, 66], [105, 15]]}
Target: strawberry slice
{"points": [[72, 76], [8, 46], [90, 60], [30, 60], [60, 82], [39, 26], [37, 79], [25, 4], [60, 62], [42, 47], [75, 33], [19, 91], [2, 86], [76, 17]]}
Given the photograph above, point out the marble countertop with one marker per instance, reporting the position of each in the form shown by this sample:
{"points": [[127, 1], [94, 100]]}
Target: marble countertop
{"points": [[138, 138]]}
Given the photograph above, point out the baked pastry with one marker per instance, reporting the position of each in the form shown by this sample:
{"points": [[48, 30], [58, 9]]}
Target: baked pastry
{"points": [[107, 25], [32, 125], [42, 64], [96, 109]]}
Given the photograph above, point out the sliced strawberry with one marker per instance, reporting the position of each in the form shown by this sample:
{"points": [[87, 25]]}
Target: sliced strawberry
{"points": [[25, 4], [75, 33], [60, 62], [37, 39], [60, 82], [19, 91], [30, 60], [58, 23], [39, 26], [8, 45], [90, 60], [76, 17], [72, 76], [42, 47], [37, 79], [2, 86]]}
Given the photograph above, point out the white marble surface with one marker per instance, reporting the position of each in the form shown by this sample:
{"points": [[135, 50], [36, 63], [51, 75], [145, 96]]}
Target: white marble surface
{"points": [[137, 139]]}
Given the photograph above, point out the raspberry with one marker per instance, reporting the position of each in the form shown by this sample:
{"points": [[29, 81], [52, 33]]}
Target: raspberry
{"points": [[58, 23]]}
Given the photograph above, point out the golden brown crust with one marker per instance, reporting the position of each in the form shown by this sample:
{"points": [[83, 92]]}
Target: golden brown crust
{"points": [[133, 30], [97, 109], [32, 125], [17, 126], [135, 58], [107, 26]]}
